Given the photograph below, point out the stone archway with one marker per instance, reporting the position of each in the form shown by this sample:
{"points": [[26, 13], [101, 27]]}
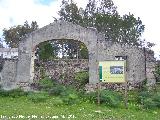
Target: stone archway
{"points": [[56, 30]]}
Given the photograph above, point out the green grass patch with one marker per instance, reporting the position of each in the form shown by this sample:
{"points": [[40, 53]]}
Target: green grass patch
{"points": [[84, 111], [65, 103]]}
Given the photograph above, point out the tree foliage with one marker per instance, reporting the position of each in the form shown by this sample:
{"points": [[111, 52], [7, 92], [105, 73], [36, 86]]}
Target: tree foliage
{"points": [[103, 15], [99, 14], [1, 43], [14, 34], [46, 51]]}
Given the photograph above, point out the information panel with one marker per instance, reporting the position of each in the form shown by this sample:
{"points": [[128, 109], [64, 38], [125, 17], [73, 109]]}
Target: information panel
{"points": [[112, 71]]}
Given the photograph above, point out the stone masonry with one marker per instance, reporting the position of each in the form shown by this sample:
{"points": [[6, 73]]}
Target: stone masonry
{"points": [[99, 49], [8, 74], [61, 70]]}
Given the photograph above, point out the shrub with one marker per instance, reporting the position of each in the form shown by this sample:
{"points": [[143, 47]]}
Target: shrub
{"points": [[57, 90], [13, 93], [58, 101], [38, 96], [67, 94], [144, 86], [144, 95], [133, 96], [91, 96], [82, 78], [70, 98], [149, 103], [156, 99], [149, 99], [46, 83], [17, 92], [4, 93], [108, 97]]}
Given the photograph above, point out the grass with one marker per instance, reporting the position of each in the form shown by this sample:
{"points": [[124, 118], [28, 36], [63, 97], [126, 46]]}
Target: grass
{"points": [[22, 108]]}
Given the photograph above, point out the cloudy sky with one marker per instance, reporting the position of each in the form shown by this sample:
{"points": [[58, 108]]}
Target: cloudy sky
{"points": [[15, 12]]}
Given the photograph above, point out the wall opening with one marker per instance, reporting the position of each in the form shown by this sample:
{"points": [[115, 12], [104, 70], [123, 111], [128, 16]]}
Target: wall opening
{"points": [[65, 61]]}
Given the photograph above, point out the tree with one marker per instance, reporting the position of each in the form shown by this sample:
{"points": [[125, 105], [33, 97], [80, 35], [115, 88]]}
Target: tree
{"points": [[45, 51], [1, 43], [83, 51], [70, 12], [103, 15], [14, 34]]}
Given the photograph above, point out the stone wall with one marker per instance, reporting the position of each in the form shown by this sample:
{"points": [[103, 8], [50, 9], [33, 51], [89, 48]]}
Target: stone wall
{"points": [[61, 70], [8, 74], [150, 68], [55, 31], [135, 59], [22, 73]]}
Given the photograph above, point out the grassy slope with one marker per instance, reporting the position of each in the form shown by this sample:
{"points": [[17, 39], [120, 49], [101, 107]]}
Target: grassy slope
{"points": [[83, 111]]}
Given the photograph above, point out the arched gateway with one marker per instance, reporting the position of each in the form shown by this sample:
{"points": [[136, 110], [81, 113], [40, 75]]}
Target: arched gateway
{"points": [[56, 30], [99, 49]]}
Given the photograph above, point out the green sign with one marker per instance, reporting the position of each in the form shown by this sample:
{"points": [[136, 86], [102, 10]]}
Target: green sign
{"points": [[112, 71]]}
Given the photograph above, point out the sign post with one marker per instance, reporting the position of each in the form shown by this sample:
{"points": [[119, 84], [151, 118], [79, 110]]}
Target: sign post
{"points": [[114, 72]]}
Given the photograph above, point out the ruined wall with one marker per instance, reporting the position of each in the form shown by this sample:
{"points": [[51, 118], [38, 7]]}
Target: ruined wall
{"points": [[150, 68], [8, 74], [62, 70], [135, 59], [22, 73], [56, 30]]}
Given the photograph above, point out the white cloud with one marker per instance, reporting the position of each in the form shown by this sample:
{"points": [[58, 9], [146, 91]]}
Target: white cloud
{"points": [[21, 10]]}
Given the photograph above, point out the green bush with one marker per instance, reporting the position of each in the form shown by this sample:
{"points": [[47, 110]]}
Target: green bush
{"points": [[67, 94], [144, 86], [17, 93], [46, 83], [57, 90], [149, 103], [4, 93], [38, 96], [81, 78], [108, 97], [58, 101], [144, 95], [133, 96], [149, 99], [13, 93], [70, 98], [91, 96], [156, 99], [145, 99]]}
